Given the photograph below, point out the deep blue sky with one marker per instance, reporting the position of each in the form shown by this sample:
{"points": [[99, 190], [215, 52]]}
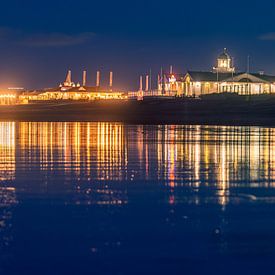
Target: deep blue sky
{"points": [[40, 40]]}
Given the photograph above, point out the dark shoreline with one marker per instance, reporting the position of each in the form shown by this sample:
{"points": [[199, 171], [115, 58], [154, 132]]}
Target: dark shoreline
{"points": [[257, 111]]}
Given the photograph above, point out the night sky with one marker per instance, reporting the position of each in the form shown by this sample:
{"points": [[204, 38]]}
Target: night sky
{"points": [[41, 40]]}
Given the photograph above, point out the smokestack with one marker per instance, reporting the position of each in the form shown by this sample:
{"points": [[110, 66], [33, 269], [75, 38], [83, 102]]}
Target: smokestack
{"points": [[147, 83], [97, 78], [111, 80], [140, 83], [84, 78], [159, 82]]}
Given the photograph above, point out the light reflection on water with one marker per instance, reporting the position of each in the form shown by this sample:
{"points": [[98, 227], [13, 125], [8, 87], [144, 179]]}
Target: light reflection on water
{"points": [[194, 156], [147, 177]]}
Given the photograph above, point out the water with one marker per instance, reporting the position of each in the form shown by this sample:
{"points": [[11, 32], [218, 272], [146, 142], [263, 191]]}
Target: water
{"points": [[108, 198]]}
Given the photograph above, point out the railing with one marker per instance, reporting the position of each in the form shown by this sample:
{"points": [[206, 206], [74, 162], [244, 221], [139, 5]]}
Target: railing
{"points": [[152, 93]]}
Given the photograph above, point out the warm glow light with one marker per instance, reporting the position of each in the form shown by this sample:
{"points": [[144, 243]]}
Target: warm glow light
{"points": [[198, 84], [195, 156]]}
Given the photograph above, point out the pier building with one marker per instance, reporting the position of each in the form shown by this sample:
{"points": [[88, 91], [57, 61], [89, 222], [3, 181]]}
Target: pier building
{"points": [[69, 90], [222, 78]]}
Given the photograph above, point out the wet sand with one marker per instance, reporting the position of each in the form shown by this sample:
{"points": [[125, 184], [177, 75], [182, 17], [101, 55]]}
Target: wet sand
{"points": [[108, 198], [221, 111]]}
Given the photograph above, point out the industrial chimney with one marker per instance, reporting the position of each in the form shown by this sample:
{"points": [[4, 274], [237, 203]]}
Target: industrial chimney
{"points": [[147, 83], [111, 80], [97, 78], [159, 83], [84, 79], [140, 83]]}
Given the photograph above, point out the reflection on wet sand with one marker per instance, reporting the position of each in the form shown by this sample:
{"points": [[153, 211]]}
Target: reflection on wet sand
{"points": [[7, 150], [190, 191], [195, 156], [7, 202], [7, 194], [77, 149]]}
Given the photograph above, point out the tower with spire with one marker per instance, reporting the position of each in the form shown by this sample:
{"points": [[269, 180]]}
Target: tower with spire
{"points": [[224, 63], [68, 82]]}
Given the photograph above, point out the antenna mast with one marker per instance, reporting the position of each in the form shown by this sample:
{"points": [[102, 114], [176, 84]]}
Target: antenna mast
{"points": [[248, 64]]}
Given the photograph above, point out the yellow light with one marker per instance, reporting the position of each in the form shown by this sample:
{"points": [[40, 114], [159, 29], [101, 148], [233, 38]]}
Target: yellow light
{"points": [[198, 84]]}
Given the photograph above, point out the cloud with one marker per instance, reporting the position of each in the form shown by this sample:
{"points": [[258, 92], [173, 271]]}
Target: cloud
{"points": [[56, 39], [268, 36]]}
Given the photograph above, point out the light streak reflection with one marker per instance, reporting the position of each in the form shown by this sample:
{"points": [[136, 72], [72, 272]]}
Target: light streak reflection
{"points": [[176, 156]]}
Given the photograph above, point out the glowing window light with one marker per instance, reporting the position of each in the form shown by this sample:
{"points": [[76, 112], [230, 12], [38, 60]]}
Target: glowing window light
{"points": [[172, 79], [7, 96], [198, 84]]}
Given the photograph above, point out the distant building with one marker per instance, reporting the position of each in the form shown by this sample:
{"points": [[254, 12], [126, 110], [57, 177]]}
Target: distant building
{"points": [[10, 96], [68, 90], [223, 78]]}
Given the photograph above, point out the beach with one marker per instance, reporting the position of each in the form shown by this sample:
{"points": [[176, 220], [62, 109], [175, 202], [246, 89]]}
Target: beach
{"points": [[222, 110]]}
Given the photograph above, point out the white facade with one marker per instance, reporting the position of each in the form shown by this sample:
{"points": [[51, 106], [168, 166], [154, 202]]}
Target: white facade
{"points": [[222, 79]]}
